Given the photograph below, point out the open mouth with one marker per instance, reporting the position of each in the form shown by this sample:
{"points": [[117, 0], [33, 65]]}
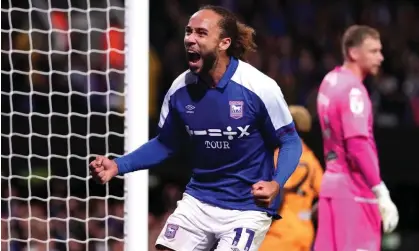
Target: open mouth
{"points": [[193, 56]]}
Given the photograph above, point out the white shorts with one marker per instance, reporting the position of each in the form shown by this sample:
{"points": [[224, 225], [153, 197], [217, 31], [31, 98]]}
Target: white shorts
{"points": [[196, 226]]}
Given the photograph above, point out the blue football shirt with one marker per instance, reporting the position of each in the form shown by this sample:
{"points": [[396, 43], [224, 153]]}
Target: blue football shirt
{"points": [[229, 134]]}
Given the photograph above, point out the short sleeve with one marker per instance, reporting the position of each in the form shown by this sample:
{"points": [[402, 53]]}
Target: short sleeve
{"points": [[172, 132], [355, 111], [276, 117], [277, 111]]}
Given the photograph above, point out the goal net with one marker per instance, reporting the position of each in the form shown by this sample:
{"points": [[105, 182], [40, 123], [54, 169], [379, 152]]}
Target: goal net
{"points": [[62, 103]]}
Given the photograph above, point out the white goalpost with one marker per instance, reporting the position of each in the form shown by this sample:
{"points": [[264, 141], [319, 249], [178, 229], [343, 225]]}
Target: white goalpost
{"points": [[74, 85], [136, 184]]}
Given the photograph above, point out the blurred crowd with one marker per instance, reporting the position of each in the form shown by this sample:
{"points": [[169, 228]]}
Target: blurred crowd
{"points": [[61, 223], [66, 51], [298, 40], [75, 223]]}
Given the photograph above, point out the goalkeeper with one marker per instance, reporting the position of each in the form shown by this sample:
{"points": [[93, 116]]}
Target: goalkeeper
{"points": [[295, 230], [352, 196], [229, 117]]}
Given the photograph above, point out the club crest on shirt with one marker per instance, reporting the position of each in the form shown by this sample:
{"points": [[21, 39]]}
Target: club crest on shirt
{"points": [[171, 230], [236, 109]]}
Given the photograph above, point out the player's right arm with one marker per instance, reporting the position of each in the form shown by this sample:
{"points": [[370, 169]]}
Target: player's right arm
{"points": [[172, 135], [165, 144]]}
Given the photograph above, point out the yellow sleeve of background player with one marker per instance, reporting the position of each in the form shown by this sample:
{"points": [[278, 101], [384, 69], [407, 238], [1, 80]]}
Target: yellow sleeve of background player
{"points": [[293, 179]]}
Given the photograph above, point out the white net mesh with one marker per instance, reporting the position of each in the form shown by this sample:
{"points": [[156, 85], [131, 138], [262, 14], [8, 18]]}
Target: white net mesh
{"points": [[62, 89]]}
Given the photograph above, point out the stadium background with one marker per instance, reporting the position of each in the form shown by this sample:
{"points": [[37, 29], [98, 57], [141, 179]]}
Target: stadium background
{"points": [[298, 43]]}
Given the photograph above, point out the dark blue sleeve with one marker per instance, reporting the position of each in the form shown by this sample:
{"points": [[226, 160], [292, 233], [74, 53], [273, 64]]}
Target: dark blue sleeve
{"points": [[146, 156], [172, 135], [279, 131], [290, 150]]}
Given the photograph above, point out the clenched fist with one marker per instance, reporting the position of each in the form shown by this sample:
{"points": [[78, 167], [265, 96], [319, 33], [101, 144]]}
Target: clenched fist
{"points": [[265, 192], [103, 169]]}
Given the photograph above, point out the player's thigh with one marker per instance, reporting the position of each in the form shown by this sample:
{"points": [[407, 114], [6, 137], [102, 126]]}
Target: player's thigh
{"points": [[325, 227], [181, 238], [183, 231], [245, 233], [357, 225]]}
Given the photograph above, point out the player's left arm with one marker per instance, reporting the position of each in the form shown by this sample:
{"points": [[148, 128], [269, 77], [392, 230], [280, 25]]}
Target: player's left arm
{"points": [[279, 131], [355, 111]]}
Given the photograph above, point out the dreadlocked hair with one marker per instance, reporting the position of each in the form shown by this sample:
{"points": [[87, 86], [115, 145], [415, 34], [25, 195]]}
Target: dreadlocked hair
{"points": [[242, 36]]}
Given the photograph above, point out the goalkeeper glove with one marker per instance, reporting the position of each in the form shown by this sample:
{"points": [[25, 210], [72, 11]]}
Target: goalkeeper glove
{"points": [[388, 210]]}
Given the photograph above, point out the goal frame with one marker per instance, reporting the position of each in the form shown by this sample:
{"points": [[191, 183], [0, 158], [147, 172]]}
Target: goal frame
{"points": [[136, 121]]}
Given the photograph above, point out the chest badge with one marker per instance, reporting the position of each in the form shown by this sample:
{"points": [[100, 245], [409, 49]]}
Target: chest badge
{"points": [[236, 109]]}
